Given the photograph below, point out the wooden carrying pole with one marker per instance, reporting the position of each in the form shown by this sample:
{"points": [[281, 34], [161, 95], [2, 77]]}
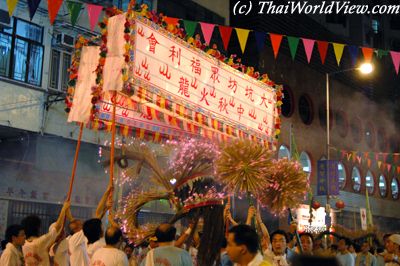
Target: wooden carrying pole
{"points": [[112, 152], [72, 179]]}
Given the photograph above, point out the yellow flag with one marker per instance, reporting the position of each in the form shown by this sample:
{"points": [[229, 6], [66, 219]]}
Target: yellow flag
{"points": [[242, 34], [11, 6], [338, 49]]}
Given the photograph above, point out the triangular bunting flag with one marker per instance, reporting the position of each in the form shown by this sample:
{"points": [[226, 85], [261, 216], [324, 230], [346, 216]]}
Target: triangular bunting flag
{"points": [[74, 9], [207, 30], [353, 51], [376, 156], [243, 35], [338, 49], [396, 60], [225, 32], [366, 155], [359, 159], [369, 163], [11, 4], [348, 155], [33, 5], [260, 39], [322, 48], [354, 154], [379, 164], [293, 43], [367, 52], [171, 21], [398, 169], [93, 13], [308, 47], [53, 7], [389, 166], [382, 53], [190, 27], [276, 40]]}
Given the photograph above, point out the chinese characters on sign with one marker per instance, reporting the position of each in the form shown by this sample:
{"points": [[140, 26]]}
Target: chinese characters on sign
{"points": [[328, 175], [204, 83]]}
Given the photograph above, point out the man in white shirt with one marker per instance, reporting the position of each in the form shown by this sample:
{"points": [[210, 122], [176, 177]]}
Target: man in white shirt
{"points": [[110, 255], [59, 251], [344, 256], [390, 257], [12, 255], [243, 247], [36, 249], [277, 255]]}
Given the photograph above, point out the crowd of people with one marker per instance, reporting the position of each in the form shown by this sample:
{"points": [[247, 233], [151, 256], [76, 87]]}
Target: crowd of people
{"points": [[249, 244]]}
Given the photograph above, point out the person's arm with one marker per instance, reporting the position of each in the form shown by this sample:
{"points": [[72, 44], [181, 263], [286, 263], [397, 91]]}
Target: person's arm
{"points": [[228, 215], [263, 228], [181, 240], [68, 214], [101, 207], [250, 214], [60, 221]]}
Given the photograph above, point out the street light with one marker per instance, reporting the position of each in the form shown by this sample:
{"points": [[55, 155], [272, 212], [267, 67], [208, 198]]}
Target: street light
{"points": [[365, 68]]}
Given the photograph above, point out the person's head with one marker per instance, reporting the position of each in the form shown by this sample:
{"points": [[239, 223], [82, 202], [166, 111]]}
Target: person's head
{"points": [[351, 248], [165, 233], [307, 240], [385, 238], [279, 242], [343, 244], [31, 225], [15, 234], [92, 230], [242, 242], [153, 242], [365, 247], [393, 243], [113, 236], [75, 226], [128, 251]]}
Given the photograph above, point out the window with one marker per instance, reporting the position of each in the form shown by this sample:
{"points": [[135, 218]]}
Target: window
{"points": [[60, 61], [356, 129], [375, 26], [306, 163], [395, 188], [342, 123], [382, 186], [342, 175], [288, 102], [370, 135], [283, 152], [306, 109], [356, 179], [22, 52], [369, 182]]}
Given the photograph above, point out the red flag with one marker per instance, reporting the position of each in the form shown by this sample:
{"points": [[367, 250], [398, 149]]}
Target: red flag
{"points": [[225, 32], [171, 21], [367, 52], [276, 40], [53, 6], [322, 48]]}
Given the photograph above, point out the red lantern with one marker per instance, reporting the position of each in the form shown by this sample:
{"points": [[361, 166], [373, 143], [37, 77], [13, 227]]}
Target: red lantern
{"points": [[340, 204], [315, 205]]}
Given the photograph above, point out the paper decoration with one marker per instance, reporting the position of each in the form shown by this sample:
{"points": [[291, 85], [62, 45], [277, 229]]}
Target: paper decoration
{"points": [[367, 52], [53, 7], [260, 39], [353, 51], [308, 47], [381, 53], [396, 60], [225, 33], [33, 5], [171, 21], [276, 40], [93, 13], [243, 35], [322, 48], [207, 30], [11, 4], [74, 9], [293, 44], [338, 49], [190, 27]]}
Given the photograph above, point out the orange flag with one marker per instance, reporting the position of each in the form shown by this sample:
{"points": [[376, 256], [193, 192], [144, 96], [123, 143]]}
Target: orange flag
{"points": [[276, 40], [367, 52], [53, 6]]}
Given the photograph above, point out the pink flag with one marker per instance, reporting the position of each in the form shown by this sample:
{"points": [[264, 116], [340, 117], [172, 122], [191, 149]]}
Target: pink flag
{"points": [[308, 47], [207, 30], [396, 60], [94, 13]]}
